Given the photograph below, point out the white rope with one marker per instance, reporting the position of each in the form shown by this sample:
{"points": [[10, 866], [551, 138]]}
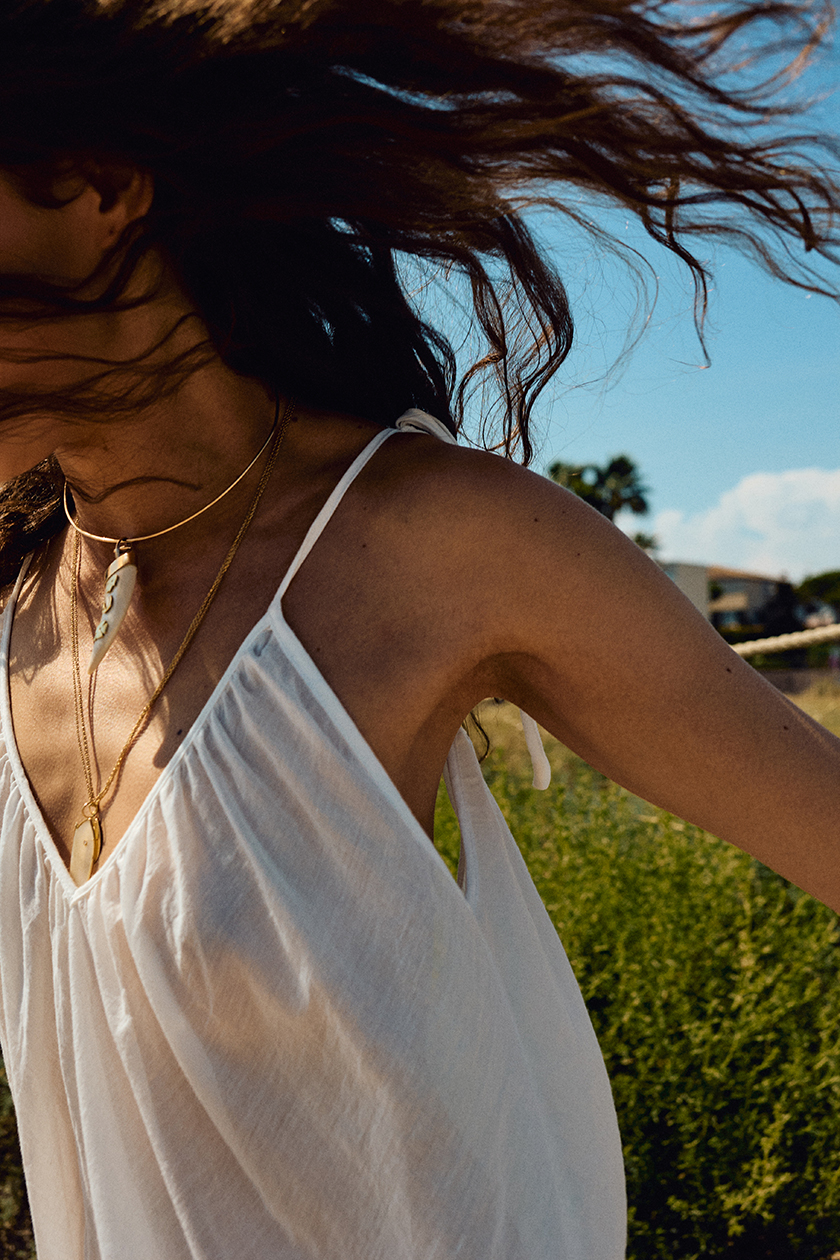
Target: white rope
{"points": [[781, 642]]}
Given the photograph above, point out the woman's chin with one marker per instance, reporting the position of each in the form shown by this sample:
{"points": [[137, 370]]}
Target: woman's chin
{"points": [[20, 453]]}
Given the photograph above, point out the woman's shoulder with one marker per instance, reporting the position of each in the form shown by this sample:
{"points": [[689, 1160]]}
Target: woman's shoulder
{"points": [[418, 470], [450, 503], [454, 491]]}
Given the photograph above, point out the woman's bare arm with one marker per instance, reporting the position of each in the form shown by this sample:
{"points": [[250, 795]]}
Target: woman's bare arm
{"points": [[593, 640]]}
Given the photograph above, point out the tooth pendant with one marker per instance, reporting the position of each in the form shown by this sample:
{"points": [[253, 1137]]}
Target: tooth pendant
{"points": [[87, 844], [120, 579]]}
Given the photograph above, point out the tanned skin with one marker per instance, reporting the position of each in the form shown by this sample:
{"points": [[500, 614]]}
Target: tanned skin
{"points": [[446, 575]]}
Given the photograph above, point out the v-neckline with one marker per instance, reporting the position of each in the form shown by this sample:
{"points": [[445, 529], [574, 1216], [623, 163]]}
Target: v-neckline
{"points": [[271, 620], [33, 809]]}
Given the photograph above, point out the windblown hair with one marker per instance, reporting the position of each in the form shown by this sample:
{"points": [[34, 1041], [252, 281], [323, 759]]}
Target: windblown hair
{"points": [[301, 148]]}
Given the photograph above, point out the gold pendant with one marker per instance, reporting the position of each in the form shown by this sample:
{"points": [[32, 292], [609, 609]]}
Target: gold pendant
{"points": [[87, 844], [120, 579]]}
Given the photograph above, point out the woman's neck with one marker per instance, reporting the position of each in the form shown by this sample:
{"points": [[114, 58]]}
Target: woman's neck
{"points": [[141, 474]]}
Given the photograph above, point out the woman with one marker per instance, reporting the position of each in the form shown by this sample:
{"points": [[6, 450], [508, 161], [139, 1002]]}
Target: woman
{"points": [[245, 1010]]}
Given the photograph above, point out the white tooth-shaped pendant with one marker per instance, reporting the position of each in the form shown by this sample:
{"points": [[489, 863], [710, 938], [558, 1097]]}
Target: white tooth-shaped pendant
{"points": [[120, 580], [87, 844]]}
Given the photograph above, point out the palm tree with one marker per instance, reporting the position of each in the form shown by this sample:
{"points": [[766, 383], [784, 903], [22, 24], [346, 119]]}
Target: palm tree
{"points": [[609, 489], [647, 542]]}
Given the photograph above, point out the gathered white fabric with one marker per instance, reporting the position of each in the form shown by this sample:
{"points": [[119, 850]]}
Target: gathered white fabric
{"points": [[273, 1027]]}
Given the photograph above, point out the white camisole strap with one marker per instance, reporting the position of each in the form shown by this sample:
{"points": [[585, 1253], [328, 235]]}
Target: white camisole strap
{"points": [[324, 516], [8, 615], [412, 421]]}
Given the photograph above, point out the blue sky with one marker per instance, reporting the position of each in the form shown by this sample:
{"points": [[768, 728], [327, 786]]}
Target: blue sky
{"points": [[768, 404], [743, 457]]}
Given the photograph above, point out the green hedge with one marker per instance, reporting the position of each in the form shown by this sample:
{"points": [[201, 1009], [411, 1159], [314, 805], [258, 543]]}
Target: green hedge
{"points": [[714, 988]]}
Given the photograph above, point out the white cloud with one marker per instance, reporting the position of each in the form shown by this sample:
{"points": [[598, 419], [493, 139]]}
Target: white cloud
{"points": [[771, 523]]}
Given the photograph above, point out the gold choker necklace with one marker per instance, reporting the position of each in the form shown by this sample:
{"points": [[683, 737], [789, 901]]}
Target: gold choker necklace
{"points": [[87, 835], [121, 574]]}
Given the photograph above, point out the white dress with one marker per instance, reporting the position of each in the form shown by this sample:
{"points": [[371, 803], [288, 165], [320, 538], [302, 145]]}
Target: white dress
{"points": [[273, 1027]]}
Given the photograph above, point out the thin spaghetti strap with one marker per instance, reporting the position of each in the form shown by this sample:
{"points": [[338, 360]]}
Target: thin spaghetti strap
{"points": [[9, 613], [322, 519]]}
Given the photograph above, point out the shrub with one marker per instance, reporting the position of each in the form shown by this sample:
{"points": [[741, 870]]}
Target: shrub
{"points": [[713, 986]]}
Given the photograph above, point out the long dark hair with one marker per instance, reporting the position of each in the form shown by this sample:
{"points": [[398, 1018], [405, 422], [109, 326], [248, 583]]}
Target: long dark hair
{"points": [[302, 148]]}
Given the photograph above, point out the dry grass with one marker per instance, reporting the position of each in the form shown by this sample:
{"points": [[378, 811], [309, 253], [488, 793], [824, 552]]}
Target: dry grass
{"points": [[822, 702]]}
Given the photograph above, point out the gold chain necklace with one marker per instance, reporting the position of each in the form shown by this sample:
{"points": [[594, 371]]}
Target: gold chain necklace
{"points": [[121, 574], [87, 835]]}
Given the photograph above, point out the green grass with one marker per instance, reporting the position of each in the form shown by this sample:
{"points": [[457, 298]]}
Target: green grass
{"points": [[714, 987]]}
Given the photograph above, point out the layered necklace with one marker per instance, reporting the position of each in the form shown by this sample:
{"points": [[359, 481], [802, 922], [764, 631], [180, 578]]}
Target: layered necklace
{"points": [[120, 580], [121, 574]]}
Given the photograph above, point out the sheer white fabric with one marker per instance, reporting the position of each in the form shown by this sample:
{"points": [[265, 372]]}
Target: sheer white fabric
{"points": [[273, 1027]]}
